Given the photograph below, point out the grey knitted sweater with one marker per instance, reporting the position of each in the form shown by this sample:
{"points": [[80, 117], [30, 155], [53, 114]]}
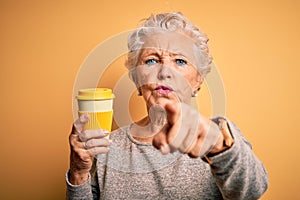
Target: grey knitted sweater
{"points": [[135, 170]]}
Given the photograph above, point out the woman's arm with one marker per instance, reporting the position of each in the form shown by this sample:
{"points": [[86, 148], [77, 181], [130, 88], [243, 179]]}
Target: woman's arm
{"points": [[87, 190], [84, 145], [239, 174], [82, 191]]}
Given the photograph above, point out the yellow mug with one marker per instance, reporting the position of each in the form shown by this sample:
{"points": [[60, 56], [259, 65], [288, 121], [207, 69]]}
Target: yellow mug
{"points": [[98, 103]]}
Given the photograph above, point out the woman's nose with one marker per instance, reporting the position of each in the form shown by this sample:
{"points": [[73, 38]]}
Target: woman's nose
{"points": [[164, 72]]}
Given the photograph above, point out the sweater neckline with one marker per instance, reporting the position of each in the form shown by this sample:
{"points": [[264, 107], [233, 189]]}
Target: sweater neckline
{"points": [[128, 132]]}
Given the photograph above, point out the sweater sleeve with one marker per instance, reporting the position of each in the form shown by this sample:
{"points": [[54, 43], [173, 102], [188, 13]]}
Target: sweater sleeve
{"points": [[76, 192], [87, 190], [238, 173]]}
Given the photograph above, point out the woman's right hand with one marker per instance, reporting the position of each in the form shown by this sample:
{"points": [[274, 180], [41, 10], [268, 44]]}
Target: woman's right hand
{"points": [[84, 145]]}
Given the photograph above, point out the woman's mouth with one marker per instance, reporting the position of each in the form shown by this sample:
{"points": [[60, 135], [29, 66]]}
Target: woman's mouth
{"points": [[162, 89]]}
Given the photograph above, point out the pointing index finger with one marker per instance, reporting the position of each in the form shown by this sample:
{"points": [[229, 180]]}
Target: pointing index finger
{"points": [[173, 113]]}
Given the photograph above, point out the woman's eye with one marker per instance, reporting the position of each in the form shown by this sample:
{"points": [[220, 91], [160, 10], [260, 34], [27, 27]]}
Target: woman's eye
{"points": [[180, 62], [151, 61]]}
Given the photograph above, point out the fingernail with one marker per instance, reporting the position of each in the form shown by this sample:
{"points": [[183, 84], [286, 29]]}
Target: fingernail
{"points": [[105, 132]]}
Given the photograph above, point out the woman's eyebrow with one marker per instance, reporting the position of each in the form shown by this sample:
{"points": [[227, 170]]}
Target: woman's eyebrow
{"points": [[150, 53], [179, 53]]}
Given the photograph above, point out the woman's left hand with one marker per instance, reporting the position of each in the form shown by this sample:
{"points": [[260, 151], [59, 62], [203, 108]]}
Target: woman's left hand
{"points": [[188, 131]]}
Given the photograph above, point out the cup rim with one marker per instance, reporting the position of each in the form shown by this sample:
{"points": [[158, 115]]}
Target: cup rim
{"points": [[90, 94]]}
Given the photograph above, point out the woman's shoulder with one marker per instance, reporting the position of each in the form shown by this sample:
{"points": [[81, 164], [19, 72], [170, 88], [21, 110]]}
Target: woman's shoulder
{"points": [[120, 133]]}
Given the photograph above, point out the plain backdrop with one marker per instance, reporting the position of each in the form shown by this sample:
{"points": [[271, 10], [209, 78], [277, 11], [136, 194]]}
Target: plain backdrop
{"points": [[255, 45]]}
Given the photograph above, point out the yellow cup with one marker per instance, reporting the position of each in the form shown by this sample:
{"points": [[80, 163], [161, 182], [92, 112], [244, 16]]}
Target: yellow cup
{"points": [[98, 103]]}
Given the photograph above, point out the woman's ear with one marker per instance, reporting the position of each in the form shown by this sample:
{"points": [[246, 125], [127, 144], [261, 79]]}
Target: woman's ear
{"points": [[198, 82]]}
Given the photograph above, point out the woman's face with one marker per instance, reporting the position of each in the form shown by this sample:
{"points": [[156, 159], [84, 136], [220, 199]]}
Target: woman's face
{"points": [[166, 69]]}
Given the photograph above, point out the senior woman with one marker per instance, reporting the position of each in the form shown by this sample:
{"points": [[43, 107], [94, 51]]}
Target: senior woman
{"points": [[174, 152]]}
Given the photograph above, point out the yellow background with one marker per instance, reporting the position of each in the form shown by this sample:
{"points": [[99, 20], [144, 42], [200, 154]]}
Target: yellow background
{"points": [[255, 45]]}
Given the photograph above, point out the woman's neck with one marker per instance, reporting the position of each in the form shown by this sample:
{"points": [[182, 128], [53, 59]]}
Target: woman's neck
{"points": [[142, 130]]}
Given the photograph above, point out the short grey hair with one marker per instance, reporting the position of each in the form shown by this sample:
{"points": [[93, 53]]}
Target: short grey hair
{"points": [[173, 22]]}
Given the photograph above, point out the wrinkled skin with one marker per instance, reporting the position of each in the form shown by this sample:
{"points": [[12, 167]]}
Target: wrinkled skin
{"points": [[167, 77], [85, 144]]}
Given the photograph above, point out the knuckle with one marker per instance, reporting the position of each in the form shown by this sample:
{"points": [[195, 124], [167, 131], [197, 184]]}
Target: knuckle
{"points": [[97, 150], [83, 156], [76, 128], [194, 153], [156, 143], [72, 140], [159, 139], [83, 136], [92, 151], [217, 148], [91, 142], [70, 137]]}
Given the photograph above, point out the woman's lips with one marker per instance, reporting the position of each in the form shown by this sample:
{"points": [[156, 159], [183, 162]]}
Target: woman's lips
{"points": [[162, 89]]}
